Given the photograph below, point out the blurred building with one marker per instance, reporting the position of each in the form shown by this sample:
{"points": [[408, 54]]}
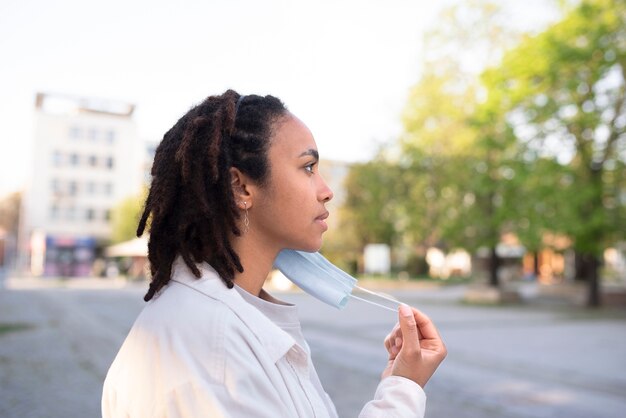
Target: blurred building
{"points": [[87, 157], [149, 151]]}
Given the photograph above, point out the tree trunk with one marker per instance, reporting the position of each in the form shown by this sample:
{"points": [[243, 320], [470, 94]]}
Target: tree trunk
{"points": [[588, 269], [582, 266], [594, 299], [494, 262], [536, 263], [595, 235]]}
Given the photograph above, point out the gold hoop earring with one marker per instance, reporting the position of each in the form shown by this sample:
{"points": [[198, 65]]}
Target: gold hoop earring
{"points": [[246, 221]]}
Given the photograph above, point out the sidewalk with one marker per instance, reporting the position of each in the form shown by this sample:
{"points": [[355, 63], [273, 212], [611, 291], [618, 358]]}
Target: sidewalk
{"points": [[56, 344], [525, 292], [69, 283], [520, 361]]}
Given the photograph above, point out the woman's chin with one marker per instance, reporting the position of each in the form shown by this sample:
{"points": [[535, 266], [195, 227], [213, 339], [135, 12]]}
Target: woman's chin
{"points": [[308, 247]]}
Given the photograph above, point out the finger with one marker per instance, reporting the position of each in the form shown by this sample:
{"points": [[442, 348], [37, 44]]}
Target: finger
{"points": [[396, 329], [425, 326], [390, 339], [394, 351], [397, 332], [398, 342], [388, 342], [408, 326]]}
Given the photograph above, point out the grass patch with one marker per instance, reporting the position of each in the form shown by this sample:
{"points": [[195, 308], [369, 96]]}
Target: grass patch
{"points": [[6, 328]]}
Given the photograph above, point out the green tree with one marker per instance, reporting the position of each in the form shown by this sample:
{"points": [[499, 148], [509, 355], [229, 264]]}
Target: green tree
{"points": [[10, 212], [370, 211], [9, 226], [125, 217], [540, 183], [565, 92], [435, 133], [372, 189], [456, 143], [487, 185]]}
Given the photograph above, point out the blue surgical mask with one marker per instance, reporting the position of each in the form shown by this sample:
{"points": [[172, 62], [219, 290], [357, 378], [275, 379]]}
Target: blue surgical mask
{"points": [[321, 279]]}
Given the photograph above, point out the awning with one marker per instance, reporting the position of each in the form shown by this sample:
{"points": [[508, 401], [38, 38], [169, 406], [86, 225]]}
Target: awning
{"points": [[137, 247]]}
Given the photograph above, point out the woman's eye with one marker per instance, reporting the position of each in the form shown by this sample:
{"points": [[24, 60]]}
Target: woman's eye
{"points": [[309, 167]]}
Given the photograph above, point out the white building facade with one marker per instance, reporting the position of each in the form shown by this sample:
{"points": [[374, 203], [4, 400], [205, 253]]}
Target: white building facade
{"points": [[87, 157]]}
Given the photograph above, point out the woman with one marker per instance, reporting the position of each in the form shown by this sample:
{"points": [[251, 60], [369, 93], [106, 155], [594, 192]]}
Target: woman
{"points": [[234, 182]]}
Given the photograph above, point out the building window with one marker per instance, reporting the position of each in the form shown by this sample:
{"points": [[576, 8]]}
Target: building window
{"points": [[93, 160], [90, 214], [70, 214], [91, 187], [75, 132], [107, 215], [73, 188], [57, 158], [108, 189], [74, 159], [55, 185], [110, 162], [54, 212], [110, 136], [93, 134]]}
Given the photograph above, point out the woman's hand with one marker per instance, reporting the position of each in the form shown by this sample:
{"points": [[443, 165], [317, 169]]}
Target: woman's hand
{"points": [[415, 347]]}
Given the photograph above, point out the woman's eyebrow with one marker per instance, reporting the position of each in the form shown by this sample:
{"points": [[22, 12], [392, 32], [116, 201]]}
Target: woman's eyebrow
{"points": [[312, 152]]}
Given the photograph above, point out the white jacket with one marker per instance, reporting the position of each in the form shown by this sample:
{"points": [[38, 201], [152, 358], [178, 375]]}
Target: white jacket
{"points": [[199, 349]]}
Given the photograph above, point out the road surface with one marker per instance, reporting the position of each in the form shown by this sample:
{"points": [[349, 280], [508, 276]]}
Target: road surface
{"points": [[526, 361]]}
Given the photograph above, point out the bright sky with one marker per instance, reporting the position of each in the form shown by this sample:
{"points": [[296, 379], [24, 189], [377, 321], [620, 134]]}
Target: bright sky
{"points": [[342, 66]]}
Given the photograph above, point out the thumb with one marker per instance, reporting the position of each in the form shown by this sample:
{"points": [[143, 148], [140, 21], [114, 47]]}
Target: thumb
{"points": [[408, 326]]}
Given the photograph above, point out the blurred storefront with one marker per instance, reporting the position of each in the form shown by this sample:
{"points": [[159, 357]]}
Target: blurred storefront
{"points": [[69, 256]]}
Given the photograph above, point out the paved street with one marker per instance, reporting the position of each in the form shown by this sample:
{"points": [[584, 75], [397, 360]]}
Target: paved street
{"points": [[528, 361]]}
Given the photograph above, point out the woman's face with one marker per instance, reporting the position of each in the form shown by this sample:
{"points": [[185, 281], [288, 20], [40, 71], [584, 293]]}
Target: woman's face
{"points": [[290, 211]]}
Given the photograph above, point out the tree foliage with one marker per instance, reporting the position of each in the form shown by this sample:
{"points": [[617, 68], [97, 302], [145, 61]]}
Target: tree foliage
{"points": [[125, 217], [457, 146], [10, 213], [370, 211], [535, 145], [565, 92]]}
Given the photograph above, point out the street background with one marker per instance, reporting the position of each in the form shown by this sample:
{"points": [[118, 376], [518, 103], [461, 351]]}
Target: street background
{"points": [[476, 150], [57, 339]]}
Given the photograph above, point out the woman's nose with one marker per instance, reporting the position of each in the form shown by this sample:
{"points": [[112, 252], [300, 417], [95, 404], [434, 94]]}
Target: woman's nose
{"points": [[325, 193]]}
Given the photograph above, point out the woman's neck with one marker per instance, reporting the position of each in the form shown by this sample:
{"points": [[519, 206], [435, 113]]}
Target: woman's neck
{"points": [[257, 261]]}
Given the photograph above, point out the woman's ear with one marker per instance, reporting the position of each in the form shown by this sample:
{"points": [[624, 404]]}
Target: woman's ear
{"points": [[242, 188]]}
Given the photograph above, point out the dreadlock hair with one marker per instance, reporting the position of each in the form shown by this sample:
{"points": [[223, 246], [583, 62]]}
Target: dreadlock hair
{"points": [[191, 205]]}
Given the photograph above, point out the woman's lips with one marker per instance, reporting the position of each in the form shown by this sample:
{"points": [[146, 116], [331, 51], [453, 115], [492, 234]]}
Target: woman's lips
{"points": [[322, 220]]}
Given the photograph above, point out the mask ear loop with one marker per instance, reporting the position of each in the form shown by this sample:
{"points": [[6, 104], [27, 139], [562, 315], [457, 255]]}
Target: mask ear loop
{"points": [[374, 303]]}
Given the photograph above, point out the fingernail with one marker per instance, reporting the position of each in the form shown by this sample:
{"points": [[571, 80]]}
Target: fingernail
{"points": [[405, 310]]}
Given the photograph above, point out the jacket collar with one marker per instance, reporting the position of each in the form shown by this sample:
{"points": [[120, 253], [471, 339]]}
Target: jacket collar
{"points": [[276, 341]]}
